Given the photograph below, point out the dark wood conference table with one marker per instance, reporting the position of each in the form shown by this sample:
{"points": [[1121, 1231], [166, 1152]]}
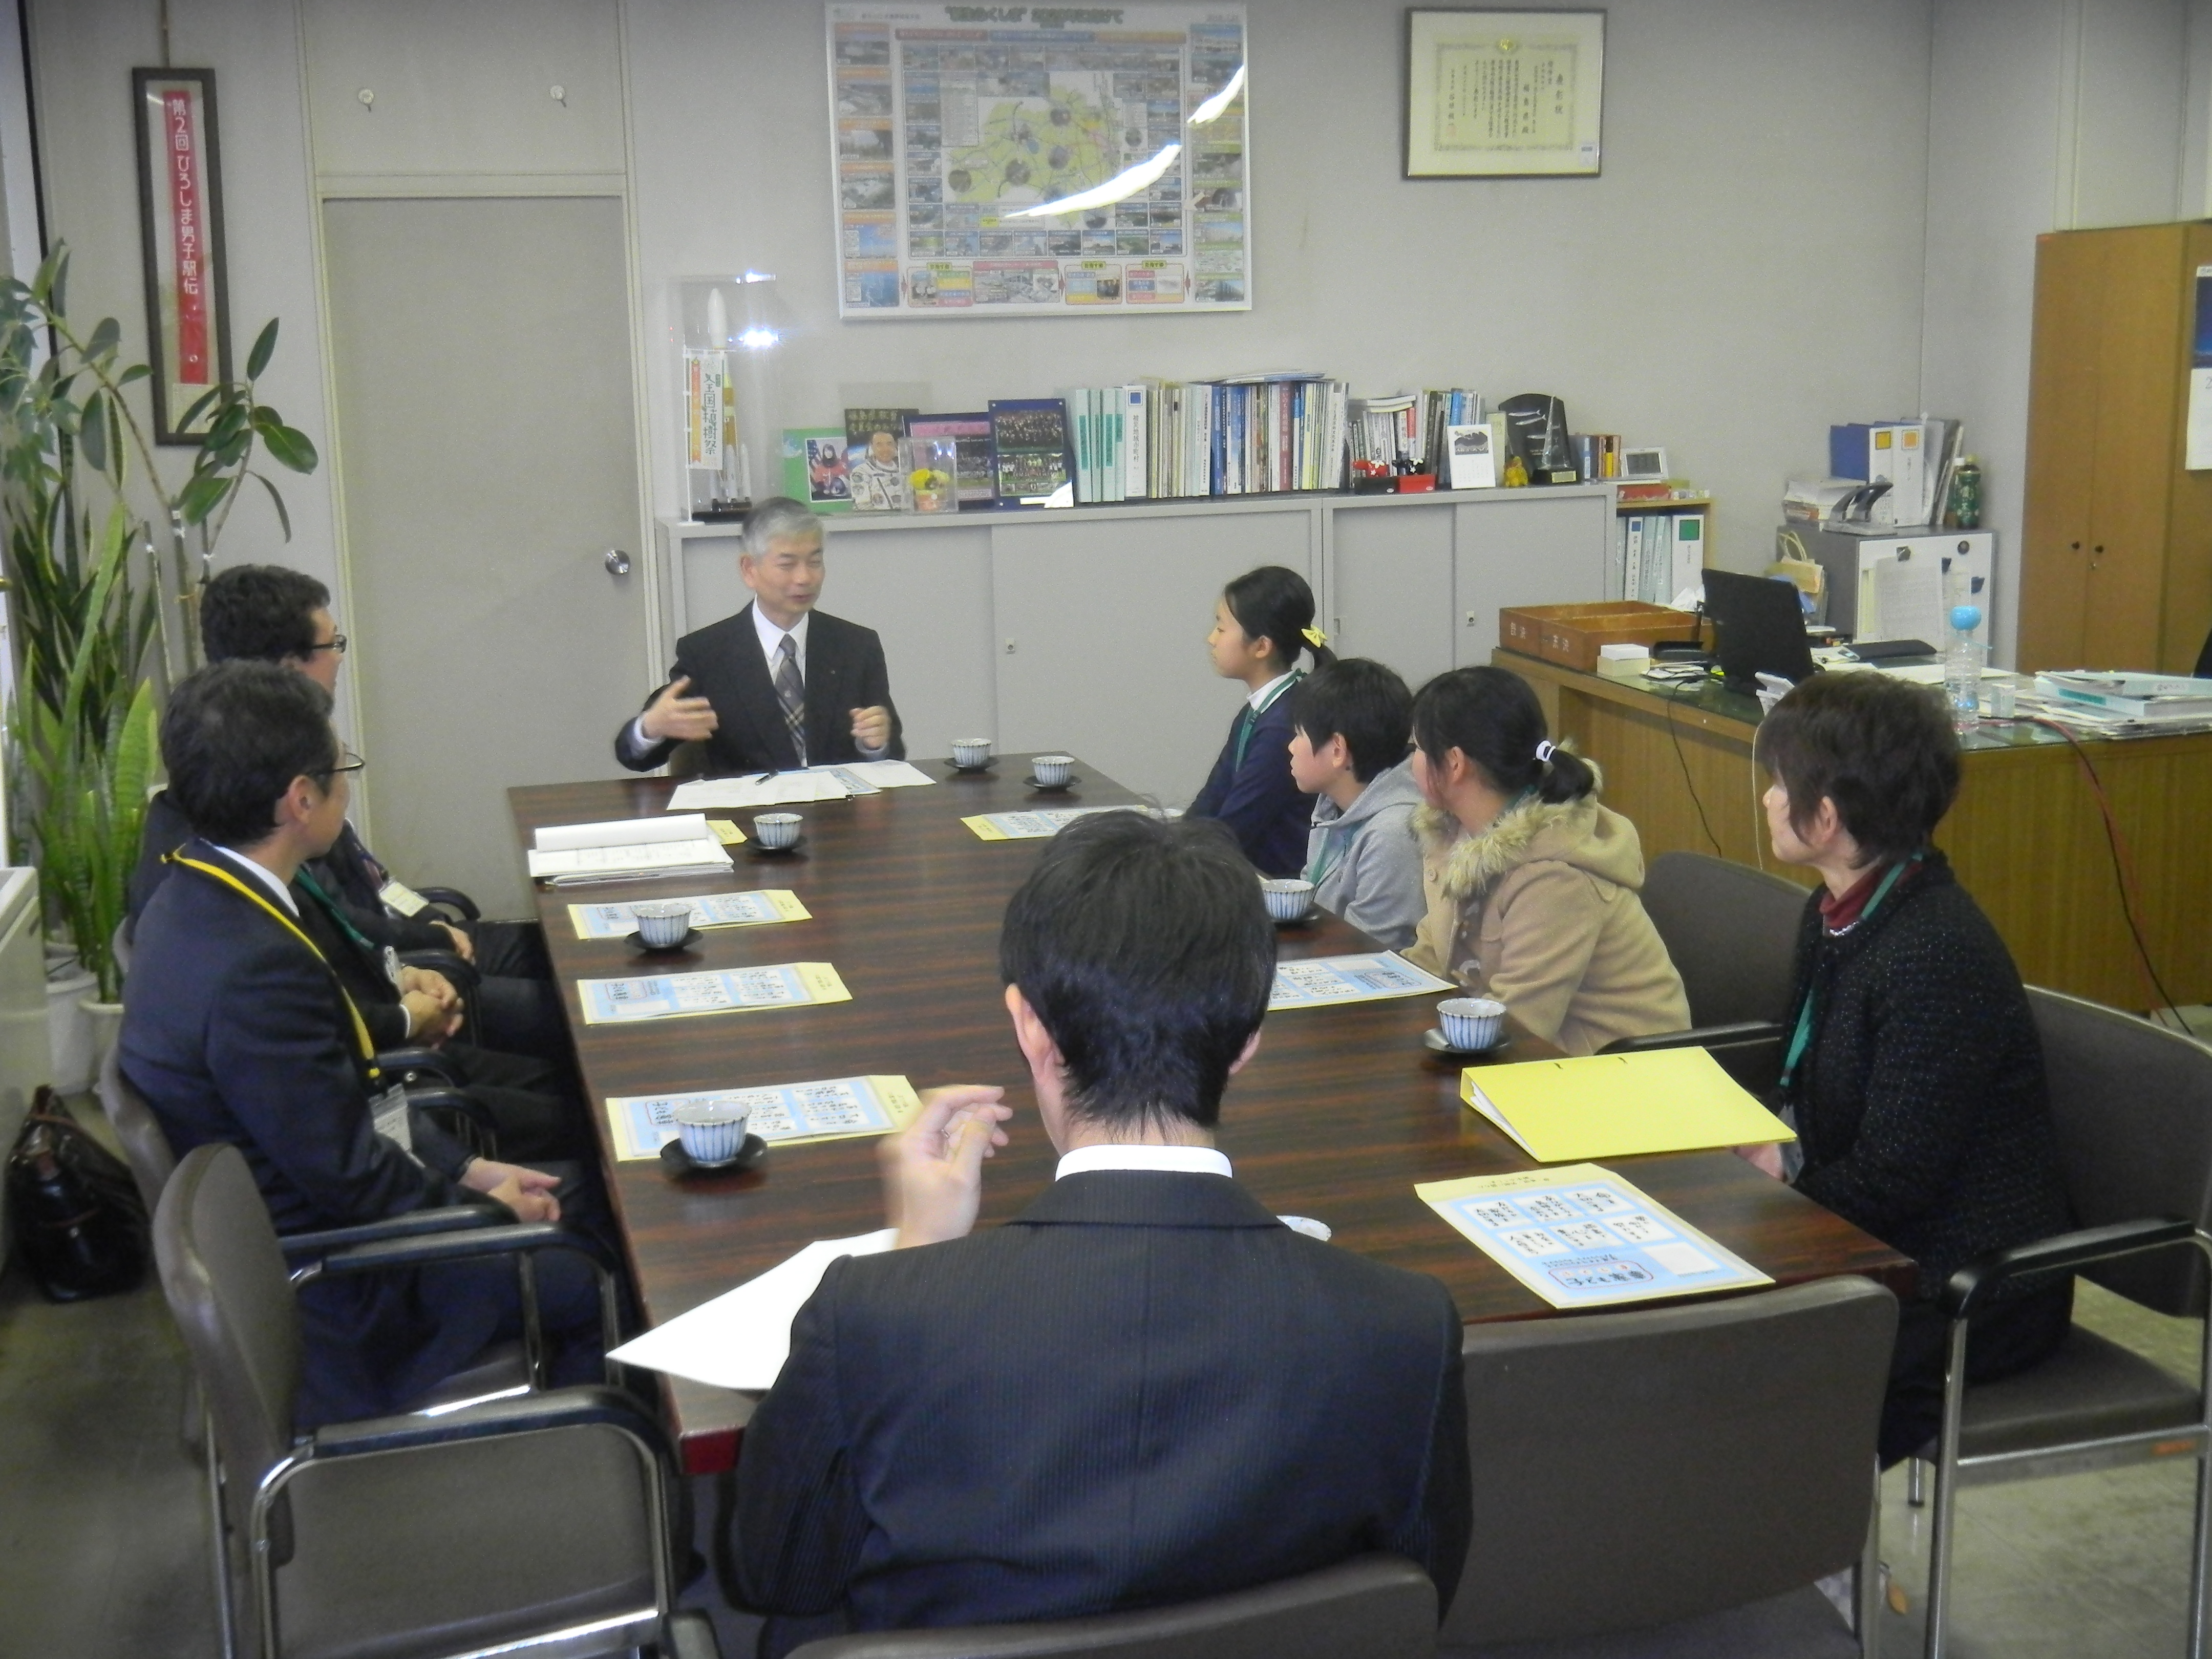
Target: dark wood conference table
{"points": [[1341, 1112]]}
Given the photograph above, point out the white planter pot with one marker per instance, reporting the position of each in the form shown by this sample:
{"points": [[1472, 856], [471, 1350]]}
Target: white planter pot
{"points": [[68, 1032], [104, 1021]]}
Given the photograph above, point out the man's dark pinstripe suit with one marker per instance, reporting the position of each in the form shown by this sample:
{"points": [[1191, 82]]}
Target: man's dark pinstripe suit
{"points": [[1143, 1389]]}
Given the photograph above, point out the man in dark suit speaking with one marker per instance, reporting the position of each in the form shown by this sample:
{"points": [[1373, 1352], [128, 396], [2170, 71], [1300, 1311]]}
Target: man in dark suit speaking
{"points": [[779, 685], [1143, 1389]]}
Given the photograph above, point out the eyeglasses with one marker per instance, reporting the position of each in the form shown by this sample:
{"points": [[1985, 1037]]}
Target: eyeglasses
{"points": [[335, 642], [347, 761]]}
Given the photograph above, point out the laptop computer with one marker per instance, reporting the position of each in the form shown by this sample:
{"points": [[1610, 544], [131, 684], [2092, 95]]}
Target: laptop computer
{"points": [[1759, 626]]}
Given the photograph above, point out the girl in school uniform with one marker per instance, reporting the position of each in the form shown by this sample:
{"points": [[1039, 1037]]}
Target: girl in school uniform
{"points": [[1264, 619]]}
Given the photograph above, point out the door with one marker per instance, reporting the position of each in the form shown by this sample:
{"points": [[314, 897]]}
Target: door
{"points": [[2063, 382], [487, 453]]}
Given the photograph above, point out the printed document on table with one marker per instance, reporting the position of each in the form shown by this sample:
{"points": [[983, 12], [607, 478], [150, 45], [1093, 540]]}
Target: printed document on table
{"points": [[782, 1113], [741, 1339], [708, 910], [1583, 1237], [881, 775], [729, 990], [626, 849], [1031, 826], [1323, 980], [752, 790]]}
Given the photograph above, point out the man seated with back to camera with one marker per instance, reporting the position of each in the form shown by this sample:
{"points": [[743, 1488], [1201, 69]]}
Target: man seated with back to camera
{"points": [[1145, 1388], [236, 1030], [266, 613]]}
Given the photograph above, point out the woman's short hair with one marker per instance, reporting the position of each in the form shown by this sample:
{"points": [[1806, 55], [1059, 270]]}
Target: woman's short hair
{"points": [[1881, 749], [1145, 948]]}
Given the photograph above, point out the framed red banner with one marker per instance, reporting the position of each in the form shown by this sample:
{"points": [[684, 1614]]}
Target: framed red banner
{"points": [[180, 210]]}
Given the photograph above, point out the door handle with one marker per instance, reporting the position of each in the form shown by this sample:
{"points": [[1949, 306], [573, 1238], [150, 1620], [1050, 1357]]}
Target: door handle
{"points": [[616, 562]]}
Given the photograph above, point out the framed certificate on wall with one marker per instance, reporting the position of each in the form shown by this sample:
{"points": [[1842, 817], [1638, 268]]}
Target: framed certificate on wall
{"points": [[1504, 95]]}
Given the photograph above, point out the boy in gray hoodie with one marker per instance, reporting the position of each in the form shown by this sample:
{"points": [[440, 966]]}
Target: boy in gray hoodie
{"points": [[1350, 724]]}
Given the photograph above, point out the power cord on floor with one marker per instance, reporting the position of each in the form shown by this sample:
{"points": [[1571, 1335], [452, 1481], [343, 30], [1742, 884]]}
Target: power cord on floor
{"points": [[1682, 760]]}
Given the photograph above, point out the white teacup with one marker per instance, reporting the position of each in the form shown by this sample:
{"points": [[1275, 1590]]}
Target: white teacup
{"points": [[662, 923], [777, 828], [712, 1132], [971, 751], [1052, 770], [1288, 899], [1471, 1023]]}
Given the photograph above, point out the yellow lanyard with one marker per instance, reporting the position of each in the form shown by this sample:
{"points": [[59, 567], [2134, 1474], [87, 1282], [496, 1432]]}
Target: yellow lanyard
{"points": [[360, 1026]]}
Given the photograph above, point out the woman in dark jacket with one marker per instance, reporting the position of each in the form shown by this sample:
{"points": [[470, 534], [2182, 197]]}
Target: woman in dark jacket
{"points": [[1913, 1069]]}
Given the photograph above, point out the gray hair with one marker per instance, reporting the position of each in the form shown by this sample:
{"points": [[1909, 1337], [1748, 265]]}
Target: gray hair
{"points": [[775, 518]]}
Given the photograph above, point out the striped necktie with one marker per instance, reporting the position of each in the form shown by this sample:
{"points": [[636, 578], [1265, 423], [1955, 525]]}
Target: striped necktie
{"points": [[791, 692]]}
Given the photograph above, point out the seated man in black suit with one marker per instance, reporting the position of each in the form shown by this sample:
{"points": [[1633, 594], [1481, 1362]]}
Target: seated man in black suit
{"points": [[779, 685], [1144, 1388], [236, 1030], [266, 613]]}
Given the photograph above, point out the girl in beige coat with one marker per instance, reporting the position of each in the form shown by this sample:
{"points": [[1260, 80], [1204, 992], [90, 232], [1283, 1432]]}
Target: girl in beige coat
{"points": [[1531, 884]]}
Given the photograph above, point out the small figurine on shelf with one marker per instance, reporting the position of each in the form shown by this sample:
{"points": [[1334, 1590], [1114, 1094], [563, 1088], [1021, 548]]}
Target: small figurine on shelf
{"points": [[1516, 471], [932, 468]]}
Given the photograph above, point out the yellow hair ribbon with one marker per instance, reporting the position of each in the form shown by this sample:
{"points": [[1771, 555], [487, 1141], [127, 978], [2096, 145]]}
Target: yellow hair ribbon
{"points": [[1315, 637]]}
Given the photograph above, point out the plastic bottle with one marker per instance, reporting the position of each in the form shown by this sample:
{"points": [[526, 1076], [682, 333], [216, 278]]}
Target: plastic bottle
{"points": [[1962, 669]]}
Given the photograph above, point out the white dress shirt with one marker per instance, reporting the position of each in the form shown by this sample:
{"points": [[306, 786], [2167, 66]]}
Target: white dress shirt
{"points": [[264, 874], [1267, 693], [1168, 1160]]}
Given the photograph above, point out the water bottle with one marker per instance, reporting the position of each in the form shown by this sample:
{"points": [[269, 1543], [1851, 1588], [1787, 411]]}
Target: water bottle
{"points": [[1962, 669]]}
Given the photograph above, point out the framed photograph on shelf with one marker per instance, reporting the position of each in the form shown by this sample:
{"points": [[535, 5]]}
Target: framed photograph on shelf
{"points": [[1504, 95], [180, 210]]}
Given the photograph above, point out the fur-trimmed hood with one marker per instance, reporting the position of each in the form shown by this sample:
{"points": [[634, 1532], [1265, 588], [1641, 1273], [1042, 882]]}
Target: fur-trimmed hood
{"points": [[1580, 833]]}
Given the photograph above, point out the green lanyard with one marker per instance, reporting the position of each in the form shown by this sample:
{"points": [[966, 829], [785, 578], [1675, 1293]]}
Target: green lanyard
{"points": [[1317, 871], [1245, 726], [1802, 1038], [330, 907]]}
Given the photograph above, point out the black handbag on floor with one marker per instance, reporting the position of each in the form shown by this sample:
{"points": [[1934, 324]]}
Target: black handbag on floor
{"points": [[74, 1210]]}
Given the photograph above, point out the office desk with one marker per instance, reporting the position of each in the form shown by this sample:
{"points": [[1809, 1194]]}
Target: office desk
{"points": [[2025, 837], [1338, 1116]]}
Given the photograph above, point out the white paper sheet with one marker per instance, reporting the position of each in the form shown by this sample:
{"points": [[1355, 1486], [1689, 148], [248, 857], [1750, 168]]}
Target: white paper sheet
{"points": [[741, 1339], [778, 789], [621, 832], [886, 774]]}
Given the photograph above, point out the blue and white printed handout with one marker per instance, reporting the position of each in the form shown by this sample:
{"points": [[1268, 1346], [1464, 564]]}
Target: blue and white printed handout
{"points": [[784, 1113], [727, 990], [1322, 981], [1033, 826], [1581, 1237], [708, 910]]}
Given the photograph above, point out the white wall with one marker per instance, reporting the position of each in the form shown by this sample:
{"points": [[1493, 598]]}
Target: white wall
{"points": [[2046, 115], [1683, 298]]}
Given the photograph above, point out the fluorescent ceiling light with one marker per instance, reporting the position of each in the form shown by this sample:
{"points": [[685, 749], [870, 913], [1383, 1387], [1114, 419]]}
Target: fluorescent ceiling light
{"points": [[1126, 183], [758, 338], [1220, 100]]}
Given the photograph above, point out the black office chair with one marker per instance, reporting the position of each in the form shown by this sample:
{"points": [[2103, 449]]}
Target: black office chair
{"points": [[2204, 660], [1675, 1479], [2131, 1104], [1377, 1607], [495, 1525]]}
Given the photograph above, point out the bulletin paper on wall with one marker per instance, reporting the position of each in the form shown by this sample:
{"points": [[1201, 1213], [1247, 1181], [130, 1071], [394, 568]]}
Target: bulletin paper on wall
{"points": [[1025, 161], [726, 991], [782, 1113], [2198, 447], [1581, 1237], [1319, 981]]}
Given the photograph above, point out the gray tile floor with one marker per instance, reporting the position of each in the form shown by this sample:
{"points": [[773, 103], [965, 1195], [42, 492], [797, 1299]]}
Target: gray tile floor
{"points": [[102, 1535]]}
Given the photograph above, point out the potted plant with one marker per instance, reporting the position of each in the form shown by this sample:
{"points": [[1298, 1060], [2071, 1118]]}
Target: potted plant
{"points": [[87, 615]]}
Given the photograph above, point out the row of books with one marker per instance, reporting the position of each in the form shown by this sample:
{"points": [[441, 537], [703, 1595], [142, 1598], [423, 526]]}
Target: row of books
{"points": [[1656, 555], [1411, 426], [1597, 454]]}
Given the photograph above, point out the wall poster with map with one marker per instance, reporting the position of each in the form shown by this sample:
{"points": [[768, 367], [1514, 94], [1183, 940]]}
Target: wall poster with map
{"points": [[1033, 161]]}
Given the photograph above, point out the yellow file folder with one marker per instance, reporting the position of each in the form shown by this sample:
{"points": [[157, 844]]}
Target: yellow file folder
{"points": [[1665, 1100]]}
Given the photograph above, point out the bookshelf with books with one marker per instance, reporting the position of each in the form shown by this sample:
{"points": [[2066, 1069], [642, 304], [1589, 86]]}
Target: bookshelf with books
{"points": [[1661, 542]]}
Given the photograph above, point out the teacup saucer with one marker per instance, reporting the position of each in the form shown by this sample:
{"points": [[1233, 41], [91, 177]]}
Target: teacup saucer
{"points": [[675, 1163], [1054, 788], [1313, 912], [636, 942], [1433, 1040], [972, 770], [761, 850]]}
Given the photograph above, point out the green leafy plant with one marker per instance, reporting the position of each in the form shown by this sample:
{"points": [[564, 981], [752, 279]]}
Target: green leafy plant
{"points": [[89, 799]]}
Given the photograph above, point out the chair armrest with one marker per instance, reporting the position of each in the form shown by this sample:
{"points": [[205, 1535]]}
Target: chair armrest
{"points": [[438, 1098], [445, 1068], [1700, 1037], [452, 899], [582, 1407], [412, 1224], [1974, 1284], [505, 1238]]}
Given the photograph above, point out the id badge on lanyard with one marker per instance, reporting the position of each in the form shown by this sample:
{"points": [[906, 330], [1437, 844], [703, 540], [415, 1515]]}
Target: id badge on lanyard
{"points": [[388, 1112]]}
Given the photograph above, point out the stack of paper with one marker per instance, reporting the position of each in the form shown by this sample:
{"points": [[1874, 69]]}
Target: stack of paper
{"points": [[627, 849], [798, 787], [740, 1339], [1665, 1100]]}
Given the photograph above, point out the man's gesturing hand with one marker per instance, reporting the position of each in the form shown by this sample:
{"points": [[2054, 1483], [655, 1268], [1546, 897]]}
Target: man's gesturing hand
{"points": [[673, 714], [933, 1169], [871, 728]]}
